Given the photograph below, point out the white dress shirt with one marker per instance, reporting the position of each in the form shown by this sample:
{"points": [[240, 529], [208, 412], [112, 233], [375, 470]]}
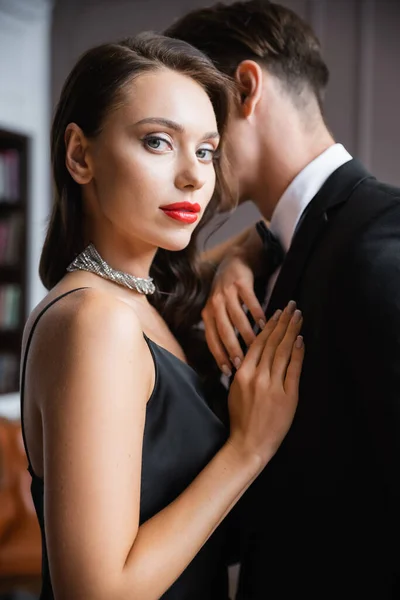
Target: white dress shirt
{"points": [[297, 197]]}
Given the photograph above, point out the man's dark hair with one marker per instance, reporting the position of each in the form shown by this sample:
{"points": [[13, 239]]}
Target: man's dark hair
{"points": [[270, 34]]}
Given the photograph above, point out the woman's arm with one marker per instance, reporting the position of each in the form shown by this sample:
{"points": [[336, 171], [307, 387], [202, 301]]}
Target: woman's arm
{"points": [[93, 414]]}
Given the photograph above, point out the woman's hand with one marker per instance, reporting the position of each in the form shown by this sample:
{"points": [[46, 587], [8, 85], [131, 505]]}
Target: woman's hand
{"points": [[233, 287], [264, 393]]}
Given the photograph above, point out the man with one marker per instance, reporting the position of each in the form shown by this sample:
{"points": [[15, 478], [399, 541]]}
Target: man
{"points": [[322, 521]]}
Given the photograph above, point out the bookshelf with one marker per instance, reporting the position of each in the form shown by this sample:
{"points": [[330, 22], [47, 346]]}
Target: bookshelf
{"points": [[13, 244]]}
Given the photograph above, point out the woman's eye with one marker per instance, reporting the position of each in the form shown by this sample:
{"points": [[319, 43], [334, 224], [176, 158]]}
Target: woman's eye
{"points": [[157, 143], [206, 154]]}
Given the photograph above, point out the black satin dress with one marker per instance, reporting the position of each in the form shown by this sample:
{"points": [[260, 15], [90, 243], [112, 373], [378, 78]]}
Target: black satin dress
{"points": [[181, 436]]}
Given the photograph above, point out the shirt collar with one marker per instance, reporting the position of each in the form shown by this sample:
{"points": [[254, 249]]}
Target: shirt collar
{"points": [[302, 190]]}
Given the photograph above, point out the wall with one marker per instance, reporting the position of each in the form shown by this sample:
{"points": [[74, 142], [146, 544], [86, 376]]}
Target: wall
{"points": [[24, 108]]}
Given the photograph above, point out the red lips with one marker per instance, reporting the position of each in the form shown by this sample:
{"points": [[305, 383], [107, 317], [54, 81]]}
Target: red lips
{"points": [[186, 212]]}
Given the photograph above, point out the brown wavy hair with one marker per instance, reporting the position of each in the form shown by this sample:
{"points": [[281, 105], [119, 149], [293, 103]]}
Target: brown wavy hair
{"points": [[94, 87]]}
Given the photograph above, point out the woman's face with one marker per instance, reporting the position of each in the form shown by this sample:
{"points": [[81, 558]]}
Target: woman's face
{"points": [[152, 164]]}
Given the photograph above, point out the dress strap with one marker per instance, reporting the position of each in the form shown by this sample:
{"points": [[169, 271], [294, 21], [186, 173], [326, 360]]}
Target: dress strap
{"points": [[25, 360]]}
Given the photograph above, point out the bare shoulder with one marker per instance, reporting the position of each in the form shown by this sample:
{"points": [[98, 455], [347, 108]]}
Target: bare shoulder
{"points": [[87, 331], [85, 312]]}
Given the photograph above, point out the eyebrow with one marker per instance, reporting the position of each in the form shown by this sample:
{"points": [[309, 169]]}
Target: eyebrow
{"points": [[175, 126]]}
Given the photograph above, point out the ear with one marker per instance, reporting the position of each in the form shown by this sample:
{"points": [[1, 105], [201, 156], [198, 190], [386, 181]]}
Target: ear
{"points": [[249, 76], [76, 154]]}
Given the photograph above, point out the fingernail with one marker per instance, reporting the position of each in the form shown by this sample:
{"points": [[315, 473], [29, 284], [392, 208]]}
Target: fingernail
{"points": [[299, 341], [276, 315], [261, 323], [291, 307], [297, 316], [226, 370], [237, 362]]}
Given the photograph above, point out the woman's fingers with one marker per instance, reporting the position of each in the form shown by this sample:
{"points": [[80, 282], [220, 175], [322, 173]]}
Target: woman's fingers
{"points": [[255, 351], [248, 297], [230, 319], [271, 351], [268, 354], [227, 335], [291, 383], [241, 322], [215, 345], [283, 352]]}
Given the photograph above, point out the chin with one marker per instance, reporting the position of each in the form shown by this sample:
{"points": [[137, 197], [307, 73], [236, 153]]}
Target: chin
{"points": [[176, 242]]}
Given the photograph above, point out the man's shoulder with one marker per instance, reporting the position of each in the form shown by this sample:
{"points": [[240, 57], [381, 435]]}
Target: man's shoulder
{"points": [[380, 190], [373, 204], [365, 231], [384, 195], [375, 245], [357, 200]]}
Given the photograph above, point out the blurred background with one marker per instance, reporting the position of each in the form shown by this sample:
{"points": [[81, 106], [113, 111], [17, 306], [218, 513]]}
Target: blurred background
{"points": [[39, 42]]}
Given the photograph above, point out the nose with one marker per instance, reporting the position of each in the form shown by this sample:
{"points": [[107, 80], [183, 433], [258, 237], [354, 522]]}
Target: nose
{"points": [[190, 174]]}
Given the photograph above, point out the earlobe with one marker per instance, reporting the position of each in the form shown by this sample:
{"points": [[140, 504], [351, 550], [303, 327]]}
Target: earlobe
{"points": [[76, 154], [249, 76]]}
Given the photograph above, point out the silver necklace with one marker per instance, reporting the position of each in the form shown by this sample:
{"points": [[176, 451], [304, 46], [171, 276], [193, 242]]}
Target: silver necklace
{"points": [[90, 260]]}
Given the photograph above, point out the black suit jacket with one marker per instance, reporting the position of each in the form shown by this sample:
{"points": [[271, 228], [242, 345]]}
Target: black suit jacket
{"points": [[322, 520]]}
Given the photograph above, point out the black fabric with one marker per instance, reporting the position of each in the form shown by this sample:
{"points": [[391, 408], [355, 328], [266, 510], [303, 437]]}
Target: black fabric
{"points": [[322, 520], [273, 254], [181, 436]]}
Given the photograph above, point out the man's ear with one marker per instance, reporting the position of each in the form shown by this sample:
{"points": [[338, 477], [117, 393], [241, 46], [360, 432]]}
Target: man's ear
{"points": [[249, 76], [76, 154]]}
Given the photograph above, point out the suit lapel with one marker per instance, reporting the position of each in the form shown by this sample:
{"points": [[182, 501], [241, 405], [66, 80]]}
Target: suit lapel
{"points": [[335, 191]]}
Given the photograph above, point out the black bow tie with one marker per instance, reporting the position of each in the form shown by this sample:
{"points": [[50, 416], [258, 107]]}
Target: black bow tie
{"points": [[272, 258], [272, 250], [273, 255]]}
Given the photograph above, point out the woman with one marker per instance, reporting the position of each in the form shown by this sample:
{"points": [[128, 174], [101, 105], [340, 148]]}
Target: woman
{"points": [[131, 471]]}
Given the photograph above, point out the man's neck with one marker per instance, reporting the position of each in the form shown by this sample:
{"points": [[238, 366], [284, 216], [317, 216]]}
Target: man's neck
{"points": [[284, 164]]}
